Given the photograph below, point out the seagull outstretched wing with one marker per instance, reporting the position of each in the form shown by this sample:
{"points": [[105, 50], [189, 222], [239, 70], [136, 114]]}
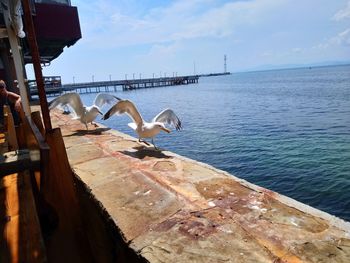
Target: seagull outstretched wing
{"points": [[168, 116], [71, 99], [104, 98], [124, 106]]}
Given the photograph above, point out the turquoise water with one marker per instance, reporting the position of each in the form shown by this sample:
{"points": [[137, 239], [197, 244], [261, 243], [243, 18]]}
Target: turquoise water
{"points": [[286, 130]]}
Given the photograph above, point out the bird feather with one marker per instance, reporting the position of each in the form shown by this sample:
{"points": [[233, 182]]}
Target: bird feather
{"points": [[168, 116]]}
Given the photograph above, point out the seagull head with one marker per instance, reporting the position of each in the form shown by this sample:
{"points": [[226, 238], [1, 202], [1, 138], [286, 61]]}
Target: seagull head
{"points": [[161, 126], [95, 109]]}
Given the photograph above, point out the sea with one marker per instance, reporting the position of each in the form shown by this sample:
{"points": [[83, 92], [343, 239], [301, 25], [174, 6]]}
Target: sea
{"points": [[286, 130]]}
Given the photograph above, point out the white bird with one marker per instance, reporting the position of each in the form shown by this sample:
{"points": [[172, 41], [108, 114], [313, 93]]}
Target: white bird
{"points": [[142, 128], [86, 114]]}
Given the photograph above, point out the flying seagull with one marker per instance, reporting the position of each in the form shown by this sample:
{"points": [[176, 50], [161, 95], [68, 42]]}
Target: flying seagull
{"points": [[85, 114], [142, 128]]}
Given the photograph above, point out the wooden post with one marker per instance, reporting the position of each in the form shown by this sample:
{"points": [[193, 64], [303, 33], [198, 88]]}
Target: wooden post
{"points": [[60, 192], [10, 127], [20, 230], [36, 117], [17, 58], [36, 63]]}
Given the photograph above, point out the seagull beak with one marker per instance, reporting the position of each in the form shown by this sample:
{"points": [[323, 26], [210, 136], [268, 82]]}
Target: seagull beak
{"points": [[100, 112], [166, 130]]}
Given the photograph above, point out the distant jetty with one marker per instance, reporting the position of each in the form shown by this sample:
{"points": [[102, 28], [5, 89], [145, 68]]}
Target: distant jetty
{"points": [[54, 87], [214, 74]]}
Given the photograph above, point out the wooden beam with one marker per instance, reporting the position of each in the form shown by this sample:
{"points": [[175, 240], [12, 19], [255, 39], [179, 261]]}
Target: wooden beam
{"points": [[36, 63], [20, 236], [10, 128], [17, 161], [36, 117], [18, 62], [36, 129], [67, 243]]}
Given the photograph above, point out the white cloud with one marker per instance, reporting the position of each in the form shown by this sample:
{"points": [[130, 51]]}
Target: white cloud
{"points": [[341, 39], [343, 13], [164, 50], [297, 50], [267, 54], [129, 23], [180, 20], [187, 22]]}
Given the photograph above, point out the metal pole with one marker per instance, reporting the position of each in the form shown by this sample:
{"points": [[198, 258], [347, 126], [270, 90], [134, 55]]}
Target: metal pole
{"points": [[36, 63]]}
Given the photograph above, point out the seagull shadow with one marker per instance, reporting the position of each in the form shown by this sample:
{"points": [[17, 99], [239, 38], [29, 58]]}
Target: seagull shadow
{"points": [[143, 152], [97, 131]]}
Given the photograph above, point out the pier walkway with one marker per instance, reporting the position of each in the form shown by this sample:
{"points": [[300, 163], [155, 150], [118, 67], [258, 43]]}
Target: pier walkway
{"points": [[143, 205], [115, 85]]}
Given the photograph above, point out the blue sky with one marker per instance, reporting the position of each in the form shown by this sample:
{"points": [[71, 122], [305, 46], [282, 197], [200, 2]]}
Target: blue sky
{"points": [[192, 36]]}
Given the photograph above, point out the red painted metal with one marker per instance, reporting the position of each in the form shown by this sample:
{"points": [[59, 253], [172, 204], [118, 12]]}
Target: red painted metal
{"points": [[56, 27], [57, 22]]}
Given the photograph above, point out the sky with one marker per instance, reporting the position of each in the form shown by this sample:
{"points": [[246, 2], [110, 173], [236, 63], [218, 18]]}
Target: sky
{"points": [[132, 38]]}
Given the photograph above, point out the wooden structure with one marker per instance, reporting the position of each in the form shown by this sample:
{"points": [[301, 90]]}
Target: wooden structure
{"points": [[37, 196], [54, 87], [22, 238], [131, 84], [40, 214]]}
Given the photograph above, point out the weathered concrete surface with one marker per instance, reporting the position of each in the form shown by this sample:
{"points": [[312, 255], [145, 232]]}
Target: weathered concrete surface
{"points": [[171, 209]]}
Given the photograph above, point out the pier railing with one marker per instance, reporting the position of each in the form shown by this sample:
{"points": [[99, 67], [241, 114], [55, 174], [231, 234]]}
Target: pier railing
{"points": [[114, 85]]}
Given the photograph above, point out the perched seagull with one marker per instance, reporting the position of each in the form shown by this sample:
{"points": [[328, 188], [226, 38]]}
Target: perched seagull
{"points": [[85, 114], [142, 128]]}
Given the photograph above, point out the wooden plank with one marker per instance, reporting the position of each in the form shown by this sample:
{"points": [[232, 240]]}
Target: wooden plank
{"points": [[37, 136], [17, 161], [11, 131], [21, 239], [36, 117], [3, 143], [37, 131], [31, 238], [68, 243]]}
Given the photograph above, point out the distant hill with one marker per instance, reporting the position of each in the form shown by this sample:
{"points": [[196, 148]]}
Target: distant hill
{"points": [[289, 66]]}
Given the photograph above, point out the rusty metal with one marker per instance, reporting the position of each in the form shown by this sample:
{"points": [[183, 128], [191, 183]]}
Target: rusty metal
{"points": [[36, 63]]}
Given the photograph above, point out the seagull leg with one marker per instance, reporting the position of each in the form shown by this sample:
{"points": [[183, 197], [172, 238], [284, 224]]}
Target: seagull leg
{"points": [[87, 128], [144, 142], [155, 147]]}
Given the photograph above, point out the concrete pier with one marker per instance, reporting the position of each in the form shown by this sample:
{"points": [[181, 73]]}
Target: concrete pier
{"points": [[143, 205]]}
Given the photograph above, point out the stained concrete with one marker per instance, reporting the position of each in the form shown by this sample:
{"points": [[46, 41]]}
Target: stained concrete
{"points": [[167, 208]]}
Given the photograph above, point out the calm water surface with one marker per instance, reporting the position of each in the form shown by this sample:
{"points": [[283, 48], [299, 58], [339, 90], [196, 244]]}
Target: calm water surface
{"points": [[286, 130]]}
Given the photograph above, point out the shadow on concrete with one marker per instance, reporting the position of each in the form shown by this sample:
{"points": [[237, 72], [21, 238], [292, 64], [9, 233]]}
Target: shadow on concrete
{"points": [[97, 131], [143, 152]]}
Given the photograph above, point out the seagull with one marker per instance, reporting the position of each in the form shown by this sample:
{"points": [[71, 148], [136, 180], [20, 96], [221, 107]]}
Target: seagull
{"points": [[86, 114], [142, 128]]}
